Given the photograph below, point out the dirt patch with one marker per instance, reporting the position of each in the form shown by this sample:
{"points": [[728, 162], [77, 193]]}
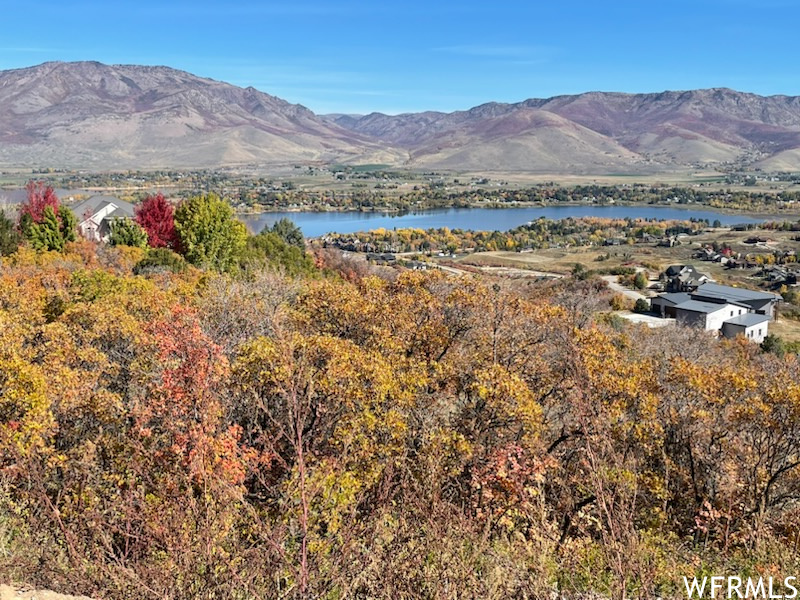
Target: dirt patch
{"points": [[8, 592]]}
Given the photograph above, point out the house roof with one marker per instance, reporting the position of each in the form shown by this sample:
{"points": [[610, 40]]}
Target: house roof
{"points": [[701, 307], [674, 298], [747, 320], [95, 203], [686, 270], [726, 292]]}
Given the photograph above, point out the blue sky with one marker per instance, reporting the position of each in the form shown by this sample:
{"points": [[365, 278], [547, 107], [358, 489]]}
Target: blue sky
{"points": [[359, 57]]}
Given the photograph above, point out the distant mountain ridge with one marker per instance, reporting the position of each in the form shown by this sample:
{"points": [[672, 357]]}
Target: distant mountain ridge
{"points": [[667, 129], [95, 116], [87, 114]]}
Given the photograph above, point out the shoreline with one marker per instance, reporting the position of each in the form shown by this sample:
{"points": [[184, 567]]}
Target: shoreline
{"points": [[785, 215]]}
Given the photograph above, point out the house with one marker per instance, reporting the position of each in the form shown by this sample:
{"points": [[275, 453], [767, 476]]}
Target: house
{"points": [[729, 310], [750, 325], [664, 304], [709, 316], [762, 303], [96, 214], [683, 278]]}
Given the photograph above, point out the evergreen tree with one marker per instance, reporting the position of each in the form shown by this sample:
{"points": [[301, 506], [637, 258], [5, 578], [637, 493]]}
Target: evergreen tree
{"points": [[125, 232], [10, 238], [47, 235], [68, 224], [288, 232]]}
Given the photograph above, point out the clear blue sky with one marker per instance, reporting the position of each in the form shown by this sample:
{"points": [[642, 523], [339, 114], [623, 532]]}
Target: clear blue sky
{"points": [[363, 56]]}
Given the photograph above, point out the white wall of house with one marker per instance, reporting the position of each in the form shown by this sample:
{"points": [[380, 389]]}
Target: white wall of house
{"points": [[709, 321], [757, 333], [754, 333]]}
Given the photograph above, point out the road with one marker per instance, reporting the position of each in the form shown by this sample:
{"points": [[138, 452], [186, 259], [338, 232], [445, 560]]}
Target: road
{"points": [[628, 293]]}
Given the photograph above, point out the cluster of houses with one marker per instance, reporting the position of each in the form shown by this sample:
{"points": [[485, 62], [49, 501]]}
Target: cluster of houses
{"points": [[695, 300], [737, 261], [389, 259], [354, 244]]}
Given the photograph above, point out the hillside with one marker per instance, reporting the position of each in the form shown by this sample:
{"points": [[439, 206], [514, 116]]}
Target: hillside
{"points": [[596, 131], [95, 116], [92, 115]]}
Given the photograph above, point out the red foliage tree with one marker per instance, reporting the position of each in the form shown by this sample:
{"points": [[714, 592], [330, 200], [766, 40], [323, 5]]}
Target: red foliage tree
{"points": [[40, 196], [156, 216]]}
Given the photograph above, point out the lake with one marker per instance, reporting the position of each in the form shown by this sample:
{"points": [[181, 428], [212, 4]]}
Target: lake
{"points": [[315, 224]]}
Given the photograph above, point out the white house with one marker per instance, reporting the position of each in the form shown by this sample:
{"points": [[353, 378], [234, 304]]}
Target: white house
{"points": [[96, 214], [752, 326], [713, 307], [708, 315]]}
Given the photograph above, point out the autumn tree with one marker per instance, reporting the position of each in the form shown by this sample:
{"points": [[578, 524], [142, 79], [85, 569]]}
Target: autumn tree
{"points": [[40, 196], [160, 260], [156, 216], [46, 224], [210, 236]]}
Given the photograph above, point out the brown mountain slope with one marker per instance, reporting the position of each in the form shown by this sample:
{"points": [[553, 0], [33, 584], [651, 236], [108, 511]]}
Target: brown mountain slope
{"points": [[528, 140], [670, 129], [93, 115]]}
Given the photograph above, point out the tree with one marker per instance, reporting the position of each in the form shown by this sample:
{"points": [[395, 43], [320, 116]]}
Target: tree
{"points": [[160, 259], [46, 235], [125, 232], [641, 280], [268, 248], [67, 223], [210, 236], [288, 231], [774, 344], [40, 197], [10, 238], [641, 306], [43, 222], [156, 216]]}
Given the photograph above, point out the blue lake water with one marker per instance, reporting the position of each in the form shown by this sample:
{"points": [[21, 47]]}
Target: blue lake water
{"points": [[315, 224]]}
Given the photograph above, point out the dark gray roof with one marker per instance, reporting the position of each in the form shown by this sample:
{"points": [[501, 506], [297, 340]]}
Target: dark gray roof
{"points": [[119, 214], [674, 298], [95, 203], [673, 270], [700, 307], [747, 320], [726, 292]]}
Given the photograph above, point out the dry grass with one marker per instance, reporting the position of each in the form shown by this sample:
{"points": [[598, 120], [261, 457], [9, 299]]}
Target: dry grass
{"points": [[788, 329]]}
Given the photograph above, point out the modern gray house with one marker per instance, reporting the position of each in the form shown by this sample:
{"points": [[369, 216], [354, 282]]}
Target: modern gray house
{"points": [[762, 303], [729, 310]]}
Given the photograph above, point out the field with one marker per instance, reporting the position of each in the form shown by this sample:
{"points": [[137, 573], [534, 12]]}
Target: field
{"points": [[562, 260]]}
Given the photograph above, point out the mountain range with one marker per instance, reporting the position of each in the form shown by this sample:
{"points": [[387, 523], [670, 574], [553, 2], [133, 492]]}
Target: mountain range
{"points": [[94, 116]]}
